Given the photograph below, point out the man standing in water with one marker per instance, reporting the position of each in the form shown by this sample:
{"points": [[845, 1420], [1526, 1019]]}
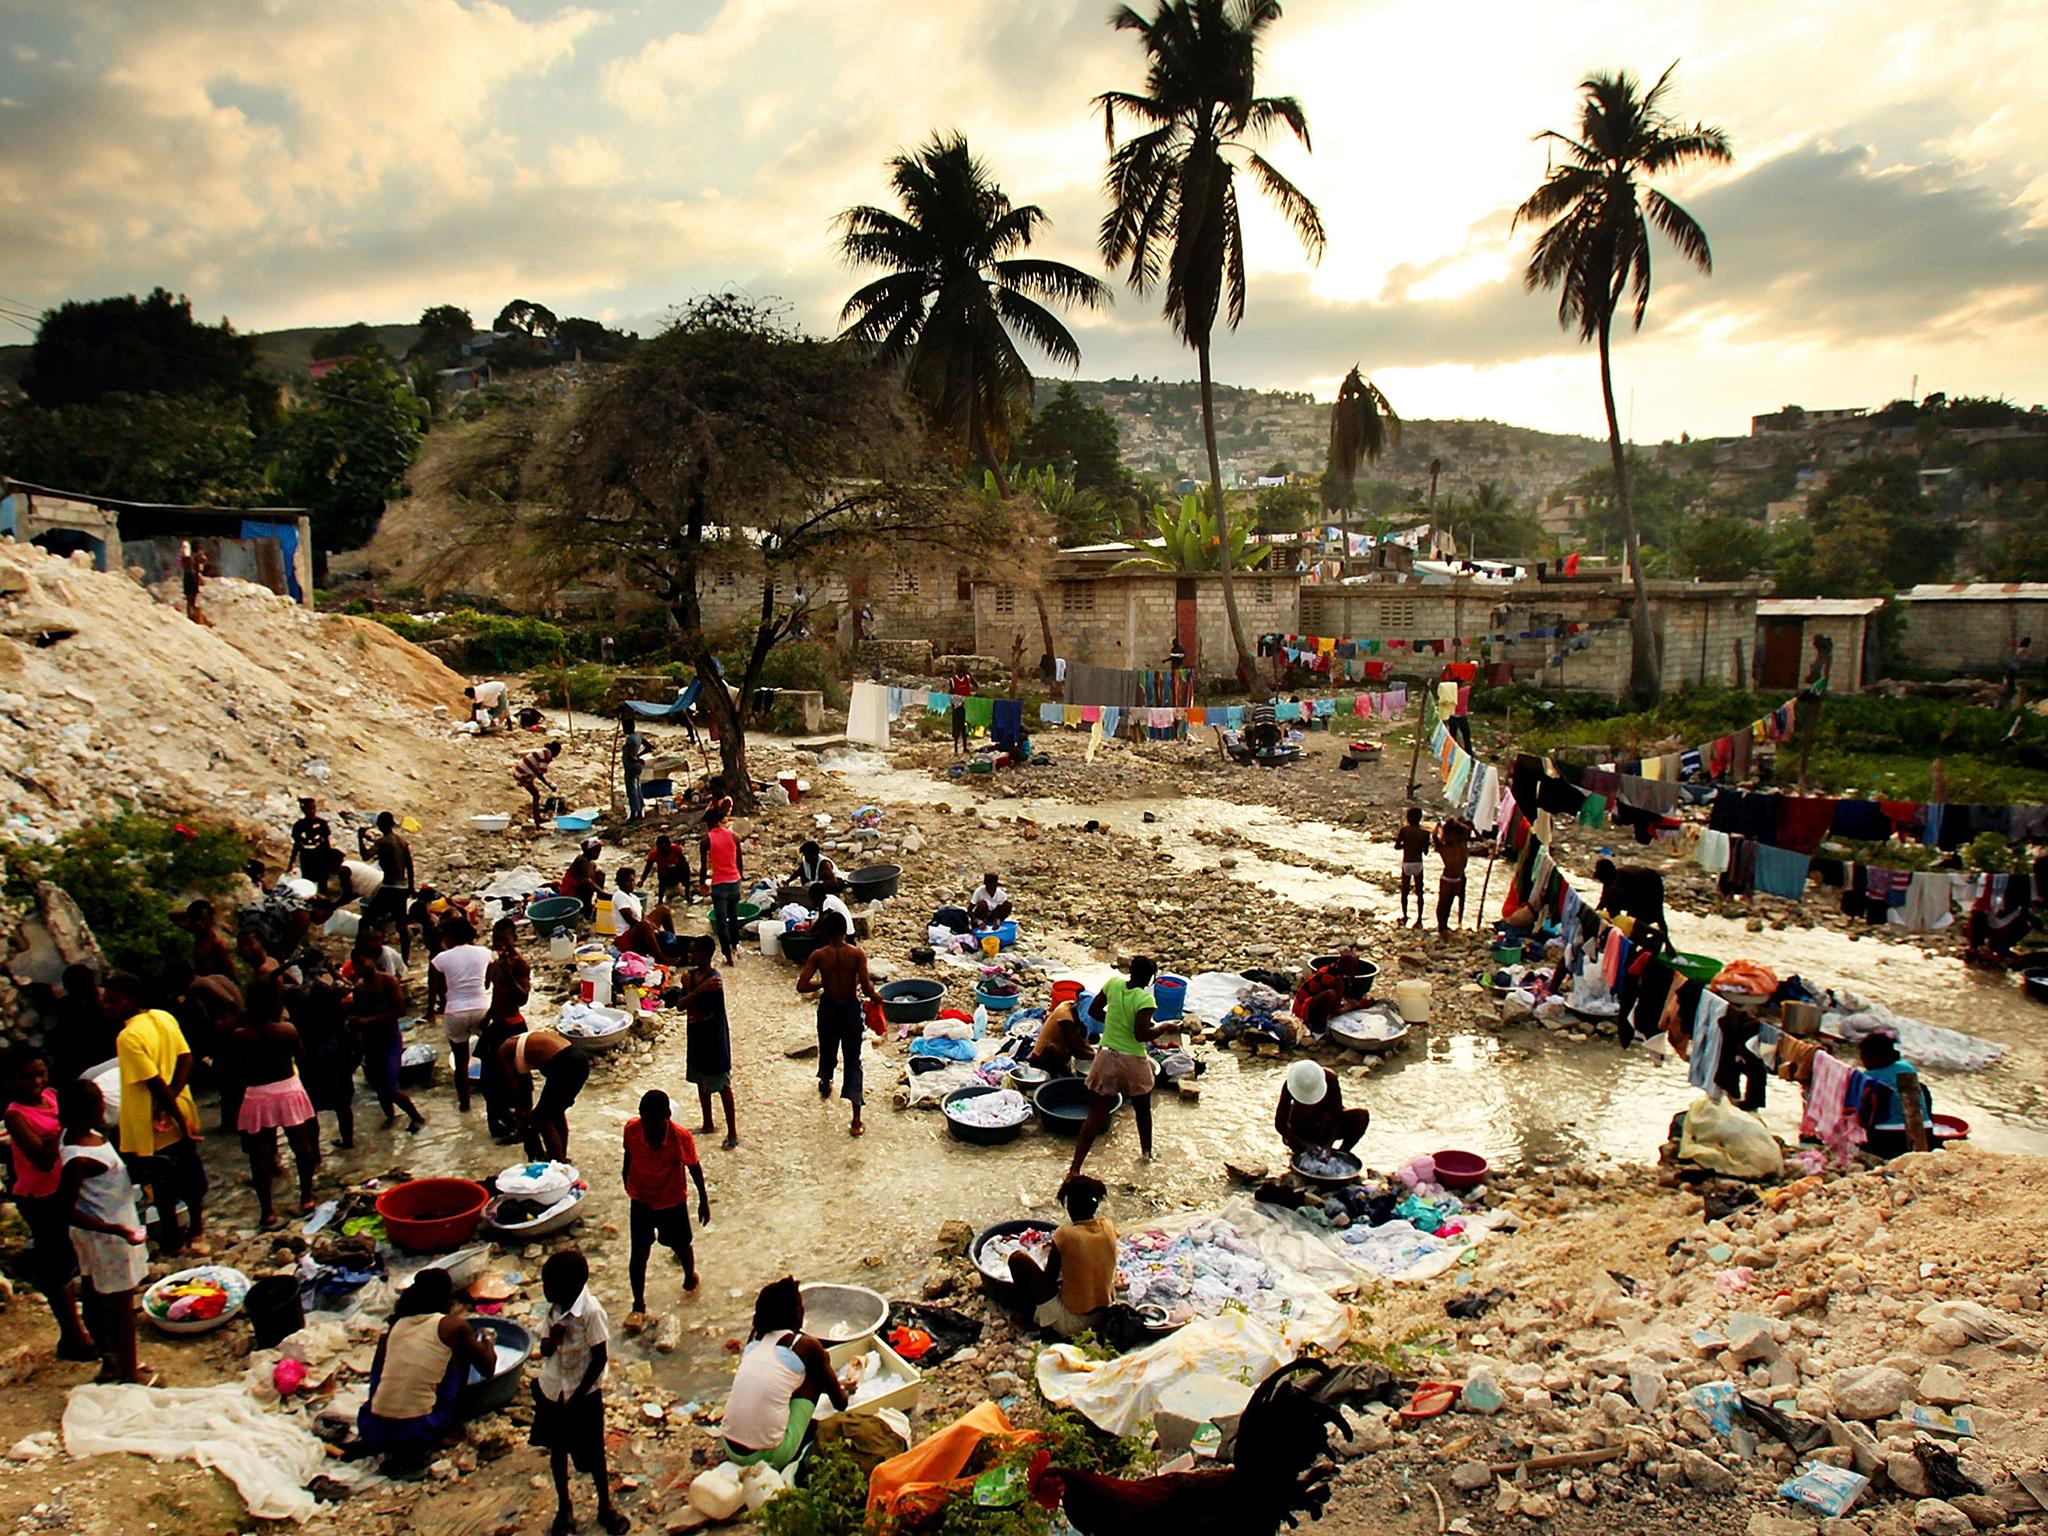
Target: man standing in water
{"points": [[838, 970]]}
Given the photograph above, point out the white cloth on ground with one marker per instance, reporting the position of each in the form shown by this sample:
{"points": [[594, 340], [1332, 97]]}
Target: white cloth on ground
{"points": [[269, 1457]]}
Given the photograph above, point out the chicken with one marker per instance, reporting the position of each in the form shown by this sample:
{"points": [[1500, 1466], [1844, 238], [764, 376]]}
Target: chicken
{"points": [[1280, 1470]]}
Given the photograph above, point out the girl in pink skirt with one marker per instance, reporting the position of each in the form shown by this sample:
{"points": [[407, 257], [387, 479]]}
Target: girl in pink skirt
{"points": [[273, 1097]]}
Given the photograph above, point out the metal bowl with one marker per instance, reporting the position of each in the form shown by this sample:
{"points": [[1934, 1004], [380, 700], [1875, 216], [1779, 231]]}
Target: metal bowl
{"points": [[840, 1314]]}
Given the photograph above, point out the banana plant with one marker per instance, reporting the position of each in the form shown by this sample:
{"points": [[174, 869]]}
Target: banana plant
{"points": [[1190, 542]]}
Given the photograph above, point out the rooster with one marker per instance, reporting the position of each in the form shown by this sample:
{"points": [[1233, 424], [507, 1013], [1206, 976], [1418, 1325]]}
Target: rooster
{"points": [[1280, 1470]]}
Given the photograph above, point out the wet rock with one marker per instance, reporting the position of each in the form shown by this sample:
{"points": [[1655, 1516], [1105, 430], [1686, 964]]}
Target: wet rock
{"points": [[1868, 1391], [1938, 1517], [953, 1239]]}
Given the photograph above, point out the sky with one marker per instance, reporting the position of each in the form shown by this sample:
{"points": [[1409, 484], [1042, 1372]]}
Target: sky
{"points": [[302, 162]]}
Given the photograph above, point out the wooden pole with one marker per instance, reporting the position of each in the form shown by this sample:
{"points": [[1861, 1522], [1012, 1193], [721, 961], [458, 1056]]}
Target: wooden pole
{"points": [[1486, 884], [1915, 1110], [1415, 757], [612, 764]]}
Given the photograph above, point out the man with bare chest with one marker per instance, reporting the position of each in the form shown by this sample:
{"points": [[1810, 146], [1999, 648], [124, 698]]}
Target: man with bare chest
{"points": [[837, 971]]}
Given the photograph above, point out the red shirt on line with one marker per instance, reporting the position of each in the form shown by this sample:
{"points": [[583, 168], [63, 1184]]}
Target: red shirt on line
{"points": [[654, 1175]]}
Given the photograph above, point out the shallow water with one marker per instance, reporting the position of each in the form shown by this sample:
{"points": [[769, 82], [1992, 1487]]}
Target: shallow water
{"points": [[800, 1196]]}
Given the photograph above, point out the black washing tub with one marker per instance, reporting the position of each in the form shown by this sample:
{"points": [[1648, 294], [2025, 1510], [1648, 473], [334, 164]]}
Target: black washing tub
{"points": [[1063, 1104], [979, 1135], [995, 1278], [915, 1001], [874, 882]]}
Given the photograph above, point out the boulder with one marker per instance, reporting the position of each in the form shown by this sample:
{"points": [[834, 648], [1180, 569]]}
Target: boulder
{"points": [[1906, 1473], [1938, 1517], [1868, 1391]]}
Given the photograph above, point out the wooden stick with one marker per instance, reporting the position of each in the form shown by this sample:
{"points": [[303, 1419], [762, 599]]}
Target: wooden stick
{"points": [[1486, 884], [1558, 1462], [1415, 757]]}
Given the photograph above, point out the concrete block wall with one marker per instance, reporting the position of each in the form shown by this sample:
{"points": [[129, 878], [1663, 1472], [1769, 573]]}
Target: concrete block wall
{"points": [[1955, 635], [1130, 619]]}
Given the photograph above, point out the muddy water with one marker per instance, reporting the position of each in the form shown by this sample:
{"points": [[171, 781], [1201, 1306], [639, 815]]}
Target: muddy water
{"points": [[801, 1196]]}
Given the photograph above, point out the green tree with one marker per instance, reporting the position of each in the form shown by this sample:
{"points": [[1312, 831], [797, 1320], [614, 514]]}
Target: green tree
{"points": [[1595, 250], [594, 341], [957, 287], [534, 321], [1191, 541], [1284, 508], [352, 340], [1173, 218], [726, 427], [1078, 440], [1722, 548], [183, 449], [1489, 524], [443, 330], [90, 348], [345, 451], [1075, 515]]}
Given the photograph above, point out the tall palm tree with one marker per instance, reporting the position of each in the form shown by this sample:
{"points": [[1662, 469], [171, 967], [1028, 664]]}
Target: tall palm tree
{"points": [[1596, 249], [1172, 186], [1362, 427], [956, 290]]}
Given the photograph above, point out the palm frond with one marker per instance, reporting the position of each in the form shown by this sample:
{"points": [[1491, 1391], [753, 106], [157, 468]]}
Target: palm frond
{"points": [[1681, 229], [1294, 204], [1039, 326], [1055, 280], [1699, 143], [1268, 112]]}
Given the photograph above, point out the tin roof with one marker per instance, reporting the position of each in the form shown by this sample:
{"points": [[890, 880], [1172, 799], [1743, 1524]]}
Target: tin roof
{"points": [[1976, 592], [1817, 607]]}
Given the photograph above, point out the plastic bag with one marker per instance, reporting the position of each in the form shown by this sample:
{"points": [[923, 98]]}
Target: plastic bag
{"points": [[1730, 1141]]}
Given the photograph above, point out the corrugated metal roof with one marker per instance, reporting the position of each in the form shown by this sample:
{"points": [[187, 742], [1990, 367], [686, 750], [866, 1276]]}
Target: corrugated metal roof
{"points": [[1976, 592], [1817, 607]]}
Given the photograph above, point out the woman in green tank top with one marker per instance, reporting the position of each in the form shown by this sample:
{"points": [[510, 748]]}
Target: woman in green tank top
{"points": [[1121, 1065]]}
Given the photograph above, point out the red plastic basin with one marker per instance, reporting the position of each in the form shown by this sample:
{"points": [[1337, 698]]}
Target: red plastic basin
{"points": [[431, 1215], [1460, 1170], [1949, 1128]]}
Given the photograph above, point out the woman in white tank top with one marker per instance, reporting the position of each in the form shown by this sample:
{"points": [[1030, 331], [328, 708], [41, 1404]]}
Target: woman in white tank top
{"points": [[783, 1372]]}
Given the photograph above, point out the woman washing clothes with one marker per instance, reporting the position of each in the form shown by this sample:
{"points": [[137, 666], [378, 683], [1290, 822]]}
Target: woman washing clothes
{"points": [[1077, 1285], [1880, 1106], [783, 1372], [1063, 1048], [1311, 1115], [422, 1361], [1127, 1010]]}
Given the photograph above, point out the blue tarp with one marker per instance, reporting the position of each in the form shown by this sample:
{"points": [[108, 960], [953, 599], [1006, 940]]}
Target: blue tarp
{"points": [[286, 537], [676, 708]]}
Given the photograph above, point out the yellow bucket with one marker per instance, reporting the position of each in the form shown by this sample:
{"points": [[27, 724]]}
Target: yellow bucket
{"points": [[991, 945]]}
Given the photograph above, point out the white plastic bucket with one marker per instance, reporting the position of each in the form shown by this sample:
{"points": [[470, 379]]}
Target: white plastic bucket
{"points": [[1411, 997], [594, 983], [771, 936], [561, 946]]}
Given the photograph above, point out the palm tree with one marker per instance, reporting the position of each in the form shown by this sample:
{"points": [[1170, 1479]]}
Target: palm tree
{"points": [[1596, 248], [1362, 427], [1173, 215], [956, 291]]}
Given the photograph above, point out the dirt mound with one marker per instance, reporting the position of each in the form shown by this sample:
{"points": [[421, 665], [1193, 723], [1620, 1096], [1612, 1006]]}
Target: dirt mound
{"points": [[109, 696]]}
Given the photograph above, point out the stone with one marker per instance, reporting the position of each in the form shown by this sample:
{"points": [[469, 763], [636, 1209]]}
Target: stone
{"points": [[1943, 1386], [1866, 1456], [953, 1239], [1938, 1517], [1987, 1511], [1705, 1473], [1835, 1527], [1763, 1523], [1539, 1506], [1471, 1476], [1906, 1473], [801, 1048], [1868, 1391]]}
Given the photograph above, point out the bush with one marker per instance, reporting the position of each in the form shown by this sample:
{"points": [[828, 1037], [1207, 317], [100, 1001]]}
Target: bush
{"points": [[589, 686], [490, 642], [806, 664], [125, 873]]}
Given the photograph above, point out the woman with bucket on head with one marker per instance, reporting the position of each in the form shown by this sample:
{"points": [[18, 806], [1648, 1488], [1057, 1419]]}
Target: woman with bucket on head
{"points": [[1127, 1010]]}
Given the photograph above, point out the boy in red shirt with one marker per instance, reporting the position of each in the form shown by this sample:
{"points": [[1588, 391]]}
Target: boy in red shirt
{"points": [[657, 1153]]}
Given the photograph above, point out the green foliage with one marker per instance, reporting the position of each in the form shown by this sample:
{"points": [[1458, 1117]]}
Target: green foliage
{"points": [[1284, 508], [170, 448], [490, 642], [588, 686], [1487, 523], [1996, 855], [535, 321], [799, 664], [1075, 516], [1191, 542], [443, 330], [352, 340], [1078, 441], [832, 1501], [1721, 548], [593, 341], [345, 452], [125, 873], [90, 348]]}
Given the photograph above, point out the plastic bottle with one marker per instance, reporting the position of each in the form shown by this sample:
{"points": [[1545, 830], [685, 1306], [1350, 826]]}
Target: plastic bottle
{"points": [[981, 1021]]}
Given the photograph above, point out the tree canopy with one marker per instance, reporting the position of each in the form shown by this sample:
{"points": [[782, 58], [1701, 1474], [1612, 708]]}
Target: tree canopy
{"points": [[351, 340], [345, 451], [1076, 440], [443, 330], [87, 349]]}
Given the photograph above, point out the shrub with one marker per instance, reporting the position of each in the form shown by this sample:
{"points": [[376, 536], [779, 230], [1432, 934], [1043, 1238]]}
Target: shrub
{"points": [[126, 872], [589, 685], [804, 664]]}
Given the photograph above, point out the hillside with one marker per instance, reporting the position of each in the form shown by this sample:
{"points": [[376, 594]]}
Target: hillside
{"points": [[1161, 425]]}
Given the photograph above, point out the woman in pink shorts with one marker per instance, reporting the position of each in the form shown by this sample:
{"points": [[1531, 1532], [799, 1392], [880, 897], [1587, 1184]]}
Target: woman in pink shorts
{"points": [[274, 1099]]}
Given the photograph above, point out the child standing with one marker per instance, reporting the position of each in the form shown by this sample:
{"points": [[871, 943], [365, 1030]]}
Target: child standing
{"points": [[33, 1130], [106, 1230], [1413, 842], [568, 1396], [657, 1153]]}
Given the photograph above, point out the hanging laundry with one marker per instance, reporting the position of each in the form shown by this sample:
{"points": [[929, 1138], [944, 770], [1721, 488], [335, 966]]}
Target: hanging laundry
{"points": [[1704, 1065], [1829, 1117], [1862, 821], [1803, 820], [1712, 853], [1051, 714], [1593, 813], [867, 715], [1781, 872], [981, 712], [1928, 903]]}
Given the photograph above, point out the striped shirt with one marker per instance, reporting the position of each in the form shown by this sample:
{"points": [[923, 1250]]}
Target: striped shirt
{"points": [[534, 765]]}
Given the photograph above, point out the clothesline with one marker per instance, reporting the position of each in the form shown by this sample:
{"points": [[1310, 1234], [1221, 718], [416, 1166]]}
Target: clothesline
{"points": [[1344, 645], [1388, 704]]}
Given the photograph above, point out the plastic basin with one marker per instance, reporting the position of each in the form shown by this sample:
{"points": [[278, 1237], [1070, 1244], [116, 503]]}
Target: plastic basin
{"points": [[1359, 983], [478, 1398], [997, 1002], [978, 1135], [1460, 1170], [1700, 968], [1062, 1105], [554, 914], [1171, 994], [1005, 932], [797, 947], [912, 1002], [1949, 1128], [749, 911], [1507, 954], [874, 882], [432, 1215], [233, 1281], [995, 1278], [574, 823]]}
